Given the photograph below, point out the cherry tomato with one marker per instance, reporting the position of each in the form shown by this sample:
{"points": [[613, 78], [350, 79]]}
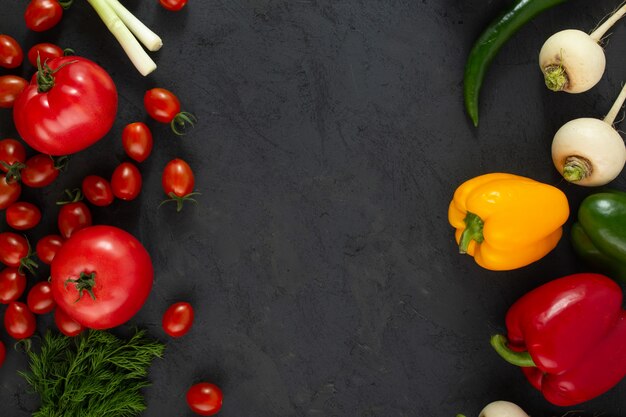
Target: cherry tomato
{"points": [[47, 247], [13, 249], [178, 181], [11, 54], [97, 190], [163, 106], [73, 216], [137, 141], [12, 285], [11, 151], [178, 319], [42, 15], [19, 322], [11, 86], [101, 277], [9, 192], [45, 52], [40, 171], [126, 181], [3, 353], [66, 324], [67, 107], [40, 299], [173, 5], [23, 215], [205, 398]]}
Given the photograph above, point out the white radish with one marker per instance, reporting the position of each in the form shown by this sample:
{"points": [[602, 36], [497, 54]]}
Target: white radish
{"points": [[572, 60], [502, 409], [590, 151]]}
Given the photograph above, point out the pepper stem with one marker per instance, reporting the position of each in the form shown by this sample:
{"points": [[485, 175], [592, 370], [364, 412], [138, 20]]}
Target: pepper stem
{"points": [[473, 231], [85, 282], [555, 77], [523, 359], [576, 168]]}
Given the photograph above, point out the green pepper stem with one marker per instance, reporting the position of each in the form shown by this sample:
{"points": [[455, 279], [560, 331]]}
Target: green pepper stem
{"points": [[473, 231], [499, 343]]}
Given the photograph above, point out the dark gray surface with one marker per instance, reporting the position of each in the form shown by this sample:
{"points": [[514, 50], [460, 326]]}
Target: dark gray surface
{"points": [[319, 259]]}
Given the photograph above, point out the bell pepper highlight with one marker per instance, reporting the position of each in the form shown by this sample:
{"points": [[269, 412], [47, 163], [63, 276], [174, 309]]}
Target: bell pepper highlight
{"points": [[569, 338], [507, 221]]}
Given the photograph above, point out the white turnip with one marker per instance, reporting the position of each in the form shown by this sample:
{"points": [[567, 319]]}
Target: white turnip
{"points": [[572, 60], [501, 409], [590, 151]]}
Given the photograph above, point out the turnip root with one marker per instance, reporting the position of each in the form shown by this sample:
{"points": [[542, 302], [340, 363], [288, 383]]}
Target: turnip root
{"points": [[501, 409], [572, 60], [590, 151]]}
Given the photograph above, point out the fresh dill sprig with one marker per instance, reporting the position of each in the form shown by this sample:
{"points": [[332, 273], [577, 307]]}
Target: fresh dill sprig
{"points": [[94, 374]]}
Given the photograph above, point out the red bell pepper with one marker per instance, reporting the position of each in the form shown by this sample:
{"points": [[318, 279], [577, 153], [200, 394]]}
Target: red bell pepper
{"points": [[569, 337]]}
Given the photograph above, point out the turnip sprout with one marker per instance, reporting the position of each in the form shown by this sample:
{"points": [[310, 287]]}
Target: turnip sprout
{"points": [[572, 60], [501, 409], [127, 29], [589, 151]]}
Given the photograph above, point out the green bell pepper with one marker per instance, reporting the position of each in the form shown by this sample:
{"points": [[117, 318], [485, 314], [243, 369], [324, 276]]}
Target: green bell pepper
{"points": [[599, 236]]}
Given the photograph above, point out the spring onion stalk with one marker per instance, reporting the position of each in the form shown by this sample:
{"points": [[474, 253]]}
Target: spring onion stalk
{"points": [[147, 37], [144, 64]]}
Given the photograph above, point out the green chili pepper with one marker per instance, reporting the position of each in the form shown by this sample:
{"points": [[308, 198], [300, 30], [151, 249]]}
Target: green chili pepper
{"points": [[489, 43], [599, 236]]}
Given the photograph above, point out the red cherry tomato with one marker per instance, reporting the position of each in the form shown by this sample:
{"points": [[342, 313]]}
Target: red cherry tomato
{"points": [[12, 285], [23, 215], [13, 249], [9, 192], [66, 325], [163, 106], [11, 54], [40, 171], [137, 141], [73, 217], [3, 353], [42, 15], [40, 299], [205, 398], [47, 247], [126, 181], [178, 181], [178, 319], [19, 322], [97, 190], [45, 52], [101, 277], [11, 151], [173, 5], [11, 86]]}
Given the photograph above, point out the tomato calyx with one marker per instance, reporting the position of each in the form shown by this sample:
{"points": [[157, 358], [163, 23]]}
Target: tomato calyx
{"points": [[13, 171], [61, 162], [181, 120], [45, 75], [180, 200], [85, 282], [27, 262], [65, 4], [74, 196]]}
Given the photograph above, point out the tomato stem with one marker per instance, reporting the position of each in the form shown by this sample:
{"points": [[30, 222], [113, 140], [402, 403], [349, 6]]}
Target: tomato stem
{"points": [[13, 171], [179, 200], [74, 196], [45, 75], [85, 282], [180, 121], [66, 4], [27, 262]]}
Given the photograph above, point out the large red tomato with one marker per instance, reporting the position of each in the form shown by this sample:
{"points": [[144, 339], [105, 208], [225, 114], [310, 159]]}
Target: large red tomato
{"points": [[101, 276], [75, 107]]}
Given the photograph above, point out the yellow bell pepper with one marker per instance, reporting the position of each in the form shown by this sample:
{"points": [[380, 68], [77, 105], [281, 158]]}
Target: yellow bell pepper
{"points": [[506, 221]]}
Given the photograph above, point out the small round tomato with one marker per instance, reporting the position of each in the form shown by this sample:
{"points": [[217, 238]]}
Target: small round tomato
{"points": [[3, 353], [66, 325], [40, 171], [40, 299], [178, 181], [173, 5], [137, 141], [97, 190], [14, 249], [12, 285], [73, 216], [126, 181], [178, 319], [11, 54], [163, 106], [23, 216], [19, 322], [11, 151], [9, 192], [42, 15], [45, 51], [11, 86], [205, 398], [47, 247]]}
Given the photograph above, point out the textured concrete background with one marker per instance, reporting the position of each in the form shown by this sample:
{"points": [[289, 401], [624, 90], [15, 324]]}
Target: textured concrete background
{"points": [[319, 259]]}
